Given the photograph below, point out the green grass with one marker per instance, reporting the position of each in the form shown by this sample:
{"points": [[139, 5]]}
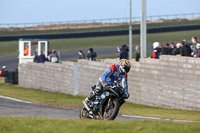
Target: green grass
{"points": [[44, 125], [39, 95], [10, 48], [59, 99], [18, 31]]}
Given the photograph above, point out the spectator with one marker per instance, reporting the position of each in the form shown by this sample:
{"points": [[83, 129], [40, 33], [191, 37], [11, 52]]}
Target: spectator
{"points": [[4, 71], [48, 54], [198, 50], [156, 50], [165, 49], [137, 53], [81, 55], [124, 47], [26, 51], [194, 46], [118, 49], [41, 58], [159, 49], [172, 49], [35, 59], [123, 52], [54, 57], [185, 50], [177, 49], [91, 55]]}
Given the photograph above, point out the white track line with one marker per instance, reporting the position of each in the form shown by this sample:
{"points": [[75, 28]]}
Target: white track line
{"points": [[155, 118], [10, 98]]}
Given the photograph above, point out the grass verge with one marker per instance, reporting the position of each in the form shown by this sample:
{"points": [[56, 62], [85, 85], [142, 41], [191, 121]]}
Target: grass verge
{"points": [[64, 100], [10, 48], [43, 125]]}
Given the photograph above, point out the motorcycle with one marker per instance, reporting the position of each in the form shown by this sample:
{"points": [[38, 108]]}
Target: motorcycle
{"points": [[104, 106]]}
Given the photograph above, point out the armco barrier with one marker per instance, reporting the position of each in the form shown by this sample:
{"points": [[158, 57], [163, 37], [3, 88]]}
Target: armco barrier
{"points": [[100, 33], [171, 82]]}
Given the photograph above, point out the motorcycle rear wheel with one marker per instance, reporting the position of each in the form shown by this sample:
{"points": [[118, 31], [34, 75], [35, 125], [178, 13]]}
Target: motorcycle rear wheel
{"points": [[113, 110]]}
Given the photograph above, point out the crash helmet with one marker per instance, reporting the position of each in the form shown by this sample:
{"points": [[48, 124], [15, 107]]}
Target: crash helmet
{"points": [[124, 66]]}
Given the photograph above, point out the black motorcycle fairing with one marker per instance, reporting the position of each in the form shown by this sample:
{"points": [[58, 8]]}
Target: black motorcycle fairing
{"points": [[93, 87]]}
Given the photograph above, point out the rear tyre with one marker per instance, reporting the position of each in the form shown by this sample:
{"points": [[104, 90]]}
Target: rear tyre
{"points": [[112, 111]]}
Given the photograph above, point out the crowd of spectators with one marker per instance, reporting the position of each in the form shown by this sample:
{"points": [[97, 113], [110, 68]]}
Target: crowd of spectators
{"points": [[183, 48], [51, 57]]}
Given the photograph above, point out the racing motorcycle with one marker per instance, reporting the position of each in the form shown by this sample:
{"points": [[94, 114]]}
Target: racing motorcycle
{"points": [[104, 106]]}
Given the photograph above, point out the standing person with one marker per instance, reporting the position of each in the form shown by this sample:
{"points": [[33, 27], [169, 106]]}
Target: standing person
{"points": [[159, 48], [156, 50], [81, 55], [91, 55], [177, 49], [54, 57], [26, 51], [198, 50], [185, 50], [41, 58], [4, 71], [172, 49], [35, 59], [118, 51], [137, 53], [123, 52], [194, 46], [48, 54], [165, 49]]}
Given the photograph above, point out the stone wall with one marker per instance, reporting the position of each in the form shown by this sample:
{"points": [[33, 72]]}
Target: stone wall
{"points": [[49, 76], [171, 82]]}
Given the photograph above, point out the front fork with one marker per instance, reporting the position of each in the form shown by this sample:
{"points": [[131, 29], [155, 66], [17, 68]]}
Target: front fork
{"points": [[101, 108]]}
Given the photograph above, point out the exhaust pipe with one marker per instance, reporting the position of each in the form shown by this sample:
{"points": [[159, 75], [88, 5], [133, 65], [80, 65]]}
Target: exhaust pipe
{"points": [[86, 106]]}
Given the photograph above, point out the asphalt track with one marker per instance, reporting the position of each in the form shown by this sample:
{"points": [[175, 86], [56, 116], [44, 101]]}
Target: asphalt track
{"points": [[10, 107], [12, 61]]}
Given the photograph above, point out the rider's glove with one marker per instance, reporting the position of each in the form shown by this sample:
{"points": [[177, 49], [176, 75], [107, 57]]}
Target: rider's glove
{"points": [[125, 95]]}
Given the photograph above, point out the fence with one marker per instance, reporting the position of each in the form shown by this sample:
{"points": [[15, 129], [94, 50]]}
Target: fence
{"points": [[171, 82], [99, 33], [184, 18]]}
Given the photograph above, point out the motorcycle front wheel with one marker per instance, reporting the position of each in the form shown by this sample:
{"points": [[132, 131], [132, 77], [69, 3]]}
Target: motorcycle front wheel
{"points": [[111, 112], [83, 113]]}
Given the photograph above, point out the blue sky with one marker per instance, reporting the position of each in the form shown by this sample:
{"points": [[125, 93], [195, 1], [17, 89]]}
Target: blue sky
{"points": [[23, 11]]}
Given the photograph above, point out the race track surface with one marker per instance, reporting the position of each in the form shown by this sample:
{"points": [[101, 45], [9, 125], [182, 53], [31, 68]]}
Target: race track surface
{"points": [[13, 107], [17, 108]]}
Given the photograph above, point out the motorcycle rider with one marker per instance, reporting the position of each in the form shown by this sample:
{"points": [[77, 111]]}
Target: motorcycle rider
{"points": [[116, 72]]}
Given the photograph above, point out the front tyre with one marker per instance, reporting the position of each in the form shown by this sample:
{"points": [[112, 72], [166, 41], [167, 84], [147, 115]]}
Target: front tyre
{"points": [[111, 112], [83, 113]]}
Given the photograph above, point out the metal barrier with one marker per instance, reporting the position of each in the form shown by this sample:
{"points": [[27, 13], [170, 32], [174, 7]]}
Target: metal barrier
{"points": [[91, 23], [100, 33]]}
